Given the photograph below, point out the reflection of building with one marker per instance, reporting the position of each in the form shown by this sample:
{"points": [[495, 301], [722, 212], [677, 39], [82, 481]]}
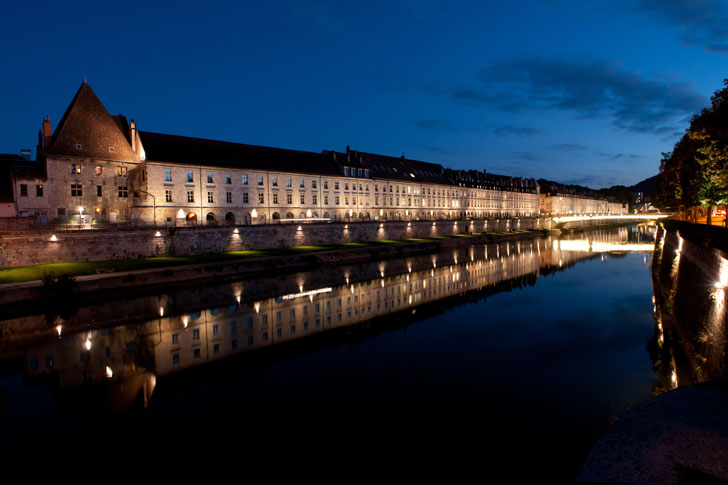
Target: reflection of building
{"points": [[169, 341], [102, 168]]}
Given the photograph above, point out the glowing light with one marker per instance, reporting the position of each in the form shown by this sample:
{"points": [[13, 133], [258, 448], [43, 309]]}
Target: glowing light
{"points": [[293, 296], [88, 344], [409, 224], [381, 226], [238, 298], [59, 329], [298, 228], [157, 234], [254, 213], [308, 213], [434, 224], [54, 238], [180, 214], [381, 274], [346, 226], [185, 321], [109, 372], [161, 311], [235, 231], [257, 307]]}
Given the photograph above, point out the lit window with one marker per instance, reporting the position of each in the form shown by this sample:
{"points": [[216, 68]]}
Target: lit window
{"points": [[99, 170], [190, 177], [245, 180], [167, 175], [121, 171], [228, 179], [260, 180], [75, 168], [288, 181]]}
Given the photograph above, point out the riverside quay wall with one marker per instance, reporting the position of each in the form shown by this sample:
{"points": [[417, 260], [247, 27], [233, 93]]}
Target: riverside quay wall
{"points": [[25, 248]]}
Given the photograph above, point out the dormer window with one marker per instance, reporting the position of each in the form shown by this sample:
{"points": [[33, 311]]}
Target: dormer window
{"points": [[111, 149], [78, 146]]}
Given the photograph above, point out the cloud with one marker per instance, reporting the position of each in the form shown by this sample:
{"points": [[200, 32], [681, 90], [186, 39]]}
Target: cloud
{"points": [[588, 89], [516, 130], [700, 22], [571, 147], [526, 156], [616, 156], [438, 150], [434, 126]]}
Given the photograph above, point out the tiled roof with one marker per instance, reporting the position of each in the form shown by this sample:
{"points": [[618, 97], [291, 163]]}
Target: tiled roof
{"points": [[87, 130], [198, 151], [393, 168]]}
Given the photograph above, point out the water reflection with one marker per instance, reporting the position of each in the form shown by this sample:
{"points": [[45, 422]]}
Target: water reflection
{"points": [[123, 346]]}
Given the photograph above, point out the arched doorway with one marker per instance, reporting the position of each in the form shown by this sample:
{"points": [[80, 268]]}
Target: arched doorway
{"points": [[191, 218], [276, 217], [210, 218], [230, 218], [327, 216], [289, 215]]}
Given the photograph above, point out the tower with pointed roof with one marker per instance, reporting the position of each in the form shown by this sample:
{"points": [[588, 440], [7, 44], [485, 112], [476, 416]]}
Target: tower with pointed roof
{"points": [[90, 162]]}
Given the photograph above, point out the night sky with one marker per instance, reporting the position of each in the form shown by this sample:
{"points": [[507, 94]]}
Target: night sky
{"points": [[586, 92]]}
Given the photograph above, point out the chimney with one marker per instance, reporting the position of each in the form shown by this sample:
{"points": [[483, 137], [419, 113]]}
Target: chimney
{"points": [[46, 133], [403, 156], [348, 154], [132, 128]]}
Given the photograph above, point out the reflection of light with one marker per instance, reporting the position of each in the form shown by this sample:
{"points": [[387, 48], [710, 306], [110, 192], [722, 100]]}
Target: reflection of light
{"points": [[109, 372], [235, 231], [293, 296], [254, 213], [157, 234], [298, 228], [185, 321], [346, 226], [238, 298], [59, 328], [88, 344], [54, 238], [381, 273], [161, 311], [257, 307]]}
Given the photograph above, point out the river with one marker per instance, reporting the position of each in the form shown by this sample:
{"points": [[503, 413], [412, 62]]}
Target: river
{"points": [[535, 345]]}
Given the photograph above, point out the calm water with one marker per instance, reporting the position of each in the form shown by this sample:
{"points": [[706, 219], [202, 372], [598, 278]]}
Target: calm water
{"points": [[535, 347]]}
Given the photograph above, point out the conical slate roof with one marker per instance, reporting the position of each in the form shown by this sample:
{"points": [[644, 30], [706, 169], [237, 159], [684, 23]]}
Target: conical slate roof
{"points": [[87, 130]]}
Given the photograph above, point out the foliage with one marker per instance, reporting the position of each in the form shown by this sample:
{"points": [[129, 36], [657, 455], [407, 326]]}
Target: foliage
{"points": [[696, 171]]}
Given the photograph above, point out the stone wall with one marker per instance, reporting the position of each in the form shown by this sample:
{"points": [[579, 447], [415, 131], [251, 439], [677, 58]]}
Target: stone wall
{"points": [[18, 249]]}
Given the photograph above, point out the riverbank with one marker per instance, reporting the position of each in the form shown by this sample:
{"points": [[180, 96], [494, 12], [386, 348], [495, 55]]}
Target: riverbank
{"points": [[227, 268]]}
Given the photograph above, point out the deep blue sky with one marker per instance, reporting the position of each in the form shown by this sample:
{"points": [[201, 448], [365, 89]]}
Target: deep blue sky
{"points": [[586, 92]]}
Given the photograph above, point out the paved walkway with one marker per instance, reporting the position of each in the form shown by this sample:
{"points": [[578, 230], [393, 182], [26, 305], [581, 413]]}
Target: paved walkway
{"points": [[678, 437]]}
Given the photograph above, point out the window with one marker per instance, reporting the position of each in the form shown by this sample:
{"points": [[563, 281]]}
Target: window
{"points": [[346, 186], [75, 168], [39, 191], [228, 179], [111, 149], [336, 201], [261, 198], [229, 197], [301, 183], [336, 185], [326, 200], [196, 353], [99, 191], [326, 184], [288, 181], [215, 330], [275, 198], [303, 198], [23, 190], [123, 191], [245, 197], [121, 171], [190, 177], [314, 199], [313, 184], [175, 359], [196, 334], [233, 326], [167, 175], [289, 198], [168, 195], [245, 180], [190, 196], [76, 190], [175, 338], [260, 180], [210, 197], [274, 181], [99, 170], [209, 178], [216, 348]]}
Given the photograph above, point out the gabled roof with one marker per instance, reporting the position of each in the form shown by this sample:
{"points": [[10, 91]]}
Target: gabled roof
{"points": [[87, 124], [199, 151]]}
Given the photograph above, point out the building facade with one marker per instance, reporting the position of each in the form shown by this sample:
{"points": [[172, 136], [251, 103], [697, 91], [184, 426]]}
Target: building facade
{"points": [[101, 168]]}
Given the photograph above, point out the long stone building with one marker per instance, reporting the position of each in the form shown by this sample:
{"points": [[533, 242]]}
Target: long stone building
{"points": [[102, 168]]}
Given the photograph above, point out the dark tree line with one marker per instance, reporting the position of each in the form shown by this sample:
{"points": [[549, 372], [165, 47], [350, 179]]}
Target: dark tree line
{"points": [[695, 173]]}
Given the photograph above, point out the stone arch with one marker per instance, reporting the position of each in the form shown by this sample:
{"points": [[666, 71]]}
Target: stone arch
{"points": [[230, 218], [289, 215], [327, 216], [261, 219], [276, 216], [210, 216], [302, 215], [315, 215], [247, 218]]}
